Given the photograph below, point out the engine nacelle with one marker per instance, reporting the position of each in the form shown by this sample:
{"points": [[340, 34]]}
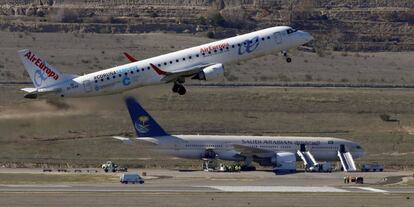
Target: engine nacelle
{"points": [[280, 161], [210, 73], [209, 154]]}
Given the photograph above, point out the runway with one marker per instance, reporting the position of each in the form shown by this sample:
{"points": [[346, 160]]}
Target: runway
{"points": [[201, 189], [198, 188]]}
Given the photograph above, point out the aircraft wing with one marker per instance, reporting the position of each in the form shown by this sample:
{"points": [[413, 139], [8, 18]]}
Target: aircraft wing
{"points": [[184, 72], [247, 150]]}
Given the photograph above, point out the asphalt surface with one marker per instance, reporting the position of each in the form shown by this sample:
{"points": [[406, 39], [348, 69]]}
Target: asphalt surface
{"points": [[199, 188], [200, 181]]}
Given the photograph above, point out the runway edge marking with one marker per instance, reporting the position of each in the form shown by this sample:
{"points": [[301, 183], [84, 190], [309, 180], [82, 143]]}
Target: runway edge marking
{"points": [[376, 190], [276, 189]]}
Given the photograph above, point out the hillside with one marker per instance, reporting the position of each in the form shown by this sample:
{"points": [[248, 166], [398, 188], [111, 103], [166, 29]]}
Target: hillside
{"points": [[351, 25]]}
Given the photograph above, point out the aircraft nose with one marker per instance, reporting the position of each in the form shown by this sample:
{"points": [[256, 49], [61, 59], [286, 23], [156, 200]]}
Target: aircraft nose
{"points": [[306, 36]]}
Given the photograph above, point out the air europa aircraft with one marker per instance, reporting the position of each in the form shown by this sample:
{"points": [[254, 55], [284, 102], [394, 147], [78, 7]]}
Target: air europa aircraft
{"points": [[280, 152], [203, 62]]}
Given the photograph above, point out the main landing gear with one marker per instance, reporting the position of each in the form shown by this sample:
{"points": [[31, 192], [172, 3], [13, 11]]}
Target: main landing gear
{"points": [[179, 88], [288, 59]]}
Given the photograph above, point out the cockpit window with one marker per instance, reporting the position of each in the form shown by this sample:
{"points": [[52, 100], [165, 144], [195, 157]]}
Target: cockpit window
{"points": [[290, 31]]}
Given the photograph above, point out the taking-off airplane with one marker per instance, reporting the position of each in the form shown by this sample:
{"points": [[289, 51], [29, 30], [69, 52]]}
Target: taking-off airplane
{"points": [[203, 62]]}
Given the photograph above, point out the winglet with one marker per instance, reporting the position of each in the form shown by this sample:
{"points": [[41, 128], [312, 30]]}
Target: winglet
{"points": [[158, 70], [130, 57]]}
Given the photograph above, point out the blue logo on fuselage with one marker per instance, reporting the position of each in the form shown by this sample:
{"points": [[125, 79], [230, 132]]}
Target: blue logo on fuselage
{"points": [[126, 81], [249, 46]]}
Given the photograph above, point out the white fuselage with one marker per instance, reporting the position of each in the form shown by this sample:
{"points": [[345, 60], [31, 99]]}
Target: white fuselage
{"points": [[194, 146], [137, 74]]}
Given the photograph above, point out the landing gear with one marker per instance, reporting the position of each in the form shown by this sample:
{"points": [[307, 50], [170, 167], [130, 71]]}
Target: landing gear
{"points": [[288, 59], [247, 165], [179, 88]]}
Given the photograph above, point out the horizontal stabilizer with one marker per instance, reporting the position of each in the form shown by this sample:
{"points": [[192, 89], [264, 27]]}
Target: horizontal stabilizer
{"points": [[124, 140], [29, 90]]}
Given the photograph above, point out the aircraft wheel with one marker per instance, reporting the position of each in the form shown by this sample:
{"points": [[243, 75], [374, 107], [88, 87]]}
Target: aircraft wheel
{"points": [[181, 90], [288, 59], [175, 88]]}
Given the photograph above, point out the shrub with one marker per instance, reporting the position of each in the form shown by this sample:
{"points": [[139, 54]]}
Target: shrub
{"points": [[210, 34]]}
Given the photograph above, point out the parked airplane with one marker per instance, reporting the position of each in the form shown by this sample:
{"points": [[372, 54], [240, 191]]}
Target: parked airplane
{"points": [[280, 152], [203, 62]]}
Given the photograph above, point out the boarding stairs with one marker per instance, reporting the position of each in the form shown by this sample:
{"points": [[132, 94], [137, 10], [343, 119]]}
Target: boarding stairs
{"points": [[307, 157], [347, 161]]}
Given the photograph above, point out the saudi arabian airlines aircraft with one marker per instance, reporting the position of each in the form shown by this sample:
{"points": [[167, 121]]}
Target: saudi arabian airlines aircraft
{"points": [[203, 62], [279, 152]]}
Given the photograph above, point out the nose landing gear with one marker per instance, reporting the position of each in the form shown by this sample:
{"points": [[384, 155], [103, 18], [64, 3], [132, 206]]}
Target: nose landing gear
{"points": [[288, 59]]}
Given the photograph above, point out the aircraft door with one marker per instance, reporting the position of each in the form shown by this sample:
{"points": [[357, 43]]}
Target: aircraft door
{"points": [[87, 86], [278, 37]]}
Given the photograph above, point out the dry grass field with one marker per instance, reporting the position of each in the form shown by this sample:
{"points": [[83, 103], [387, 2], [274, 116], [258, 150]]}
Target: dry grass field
{"points": [[78, 131]]}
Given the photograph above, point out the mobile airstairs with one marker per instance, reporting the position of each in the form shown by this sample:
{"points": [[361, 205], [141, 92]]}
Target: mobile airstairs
{"points": [[347, 160], [307, 157]]}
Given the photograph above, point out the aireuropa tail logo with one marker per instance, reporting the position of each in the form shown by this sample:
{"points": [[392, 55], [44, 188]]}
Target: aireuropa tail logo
{"points": [[141, 124], [43, 72]]}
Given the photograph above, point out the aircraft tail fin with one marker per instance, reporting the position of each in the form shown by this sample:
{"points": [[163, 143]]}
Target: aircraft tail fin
{"points": [[41, 73], [144, 124]]}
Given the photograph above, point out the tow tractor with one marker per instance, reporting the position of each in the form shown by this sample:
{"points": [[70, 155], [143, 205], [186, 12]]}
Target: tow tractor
{"points": [[109, 166]]}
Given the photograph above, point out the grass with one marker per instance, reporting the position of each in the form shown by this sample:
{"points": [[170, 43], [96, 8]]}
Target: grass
{"points": [[409, 183], [30, 178]]}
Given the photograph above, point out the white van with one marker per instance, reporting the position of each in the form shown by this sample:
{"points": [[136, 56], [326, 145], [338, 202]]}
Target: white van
{"points": [[131, 178]]}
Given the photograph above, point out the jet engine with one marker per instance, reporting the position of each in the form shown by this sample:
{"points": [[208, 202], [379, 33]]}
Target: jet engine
{"points": [[209, 154], [210, 72], [280, 161]]}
